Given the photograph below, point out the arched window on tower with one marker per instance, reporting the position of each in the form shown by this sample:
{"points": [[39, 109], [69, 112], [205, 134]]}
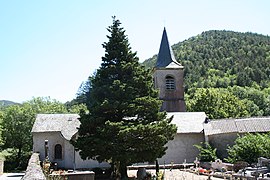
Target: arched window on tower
{"points": [[58, 151], [170, 83]]}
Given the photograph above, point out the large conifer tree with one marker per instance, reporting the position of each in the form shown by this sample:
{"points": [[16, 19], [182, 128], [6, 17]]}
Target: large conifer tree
{"points": [[124, 125]]}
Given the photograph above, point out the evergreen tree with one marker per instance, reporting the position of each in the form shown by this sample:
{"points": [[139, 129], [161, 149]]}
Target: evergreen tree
{"points": [[124, 125]]}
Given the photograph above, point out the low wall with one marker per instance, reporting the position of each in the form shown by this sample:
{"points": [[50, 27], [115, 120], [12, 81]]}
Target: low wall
{"points": [[34, 170], [83, 175]]}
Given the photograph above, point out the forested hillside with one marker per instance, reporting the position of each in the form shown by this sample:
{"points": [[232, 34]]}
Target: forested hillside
{"points": [[226, 61], [223, 58], [4, 103]]}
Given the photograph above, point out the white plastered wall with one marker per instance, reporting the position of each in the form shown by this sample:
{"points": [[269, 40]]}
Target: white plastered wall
{"points": [[182, 148], [68, 161]]}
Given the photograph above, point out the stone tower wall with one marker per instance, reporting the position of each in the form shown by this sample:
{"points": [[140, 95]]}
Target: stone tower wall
{"points": [[173, 100]]}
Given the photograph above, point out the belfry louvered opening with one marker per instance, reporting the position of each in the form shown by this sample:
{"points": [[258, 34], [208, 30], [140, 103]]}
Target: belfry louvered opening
{"points": [[170, 83]]}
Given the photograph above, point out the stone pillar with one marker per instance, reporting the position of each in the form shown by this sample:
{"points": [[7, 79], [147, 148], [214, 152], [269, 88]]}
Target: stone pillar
{"points": [[1, 166]]}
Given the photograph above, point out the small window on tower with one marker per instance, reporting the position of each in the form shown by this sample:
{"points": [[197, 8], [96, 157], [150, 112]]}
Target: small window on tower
{"points": [[170, 83]]}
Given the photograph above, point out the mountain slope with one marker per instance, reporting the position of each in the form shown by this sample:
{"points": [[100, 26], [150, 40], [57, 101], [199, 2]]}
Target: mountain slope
{"points": [[223, 58], [4, 103]]}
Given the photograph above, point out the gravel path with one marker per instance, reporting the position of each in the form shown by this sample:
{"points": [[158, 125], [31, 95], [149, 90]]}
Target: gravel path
{"points": [[175, 174], [11, 176]]}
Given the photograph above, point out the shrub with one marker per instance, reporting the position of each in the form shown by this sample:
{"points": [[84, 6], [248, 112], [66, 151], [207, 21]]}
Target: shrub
{"points": [[207, 153], [249, 148]]}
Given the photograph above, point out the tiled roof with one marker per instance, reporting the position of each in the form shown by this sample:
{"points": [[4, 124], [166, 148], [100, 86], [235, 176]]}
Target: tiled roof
{"points": [[188, 122], [67, 124], [254, 124], [166, 57]]}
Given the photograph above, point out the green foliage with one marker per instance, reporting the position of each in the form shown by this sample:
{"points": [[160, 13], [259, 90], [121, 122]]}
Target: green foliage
{"points": [[249, 148], [17, 124], [77, 108], [228, 102], [83, 93], [10, 155], [5, 153], [160, 175], [1, 128], [206, 152], [257, 99], [46, 105], [124, 125], [150, 63], [5, 103], [216, 103]]}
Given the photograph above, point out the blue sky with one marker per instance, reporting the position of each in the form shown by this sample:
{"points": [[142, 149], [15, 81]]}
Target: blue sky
{"points": [[49, 47]]}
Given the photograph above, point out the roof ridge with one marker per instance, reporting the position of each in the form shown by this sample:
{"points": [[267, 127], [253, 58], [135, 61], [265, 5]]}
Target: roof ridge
{"points": [[241, 119]]}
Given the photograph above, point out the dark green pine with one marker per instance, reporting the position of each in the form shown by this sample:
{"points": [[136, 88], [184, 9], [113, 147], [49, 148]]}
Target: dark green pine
{"points": [[124, 125]]}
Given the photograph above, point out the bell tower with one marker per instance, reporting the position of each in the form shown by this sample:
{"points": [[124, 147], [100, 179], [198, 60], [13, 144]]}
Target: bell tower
{"points": [[169, 78]]}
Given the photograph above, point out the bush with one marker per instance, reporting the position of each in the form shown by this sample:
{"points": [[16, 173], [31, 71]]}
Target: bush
{"points": [[12, 163], [239, 165], [160, 175], [249, 148], [207, 153]]}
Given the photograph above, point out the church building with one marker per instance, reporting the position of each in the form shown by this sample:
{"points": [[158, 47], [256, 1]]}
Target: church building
{"points": [[52, 132]]}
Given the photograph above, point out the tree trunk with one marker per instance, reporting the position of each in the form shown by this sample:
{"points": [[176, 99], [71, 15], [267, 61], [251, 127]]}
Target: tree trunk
{"points": [[19, 156], [157, 168], [117, 174], [123, 170]]}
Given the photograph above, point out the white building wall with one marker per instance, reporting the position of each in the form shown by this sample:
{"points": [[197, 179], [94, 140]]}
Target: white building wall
{"points": [[88, 164], [68, 159], [69, 155], [53, 139], [182, 148], [222, 141]]}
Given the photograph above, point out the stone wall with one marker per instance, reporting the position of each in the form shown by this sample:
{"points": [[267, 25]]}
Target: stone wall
{"points": [[181, 148], [221, 142], [173, 100], [34, 170], [83, 175]]}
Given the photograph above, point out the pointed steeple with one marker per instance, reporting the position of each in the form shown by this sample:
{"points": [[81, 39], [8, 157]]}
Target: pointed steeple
{"points": [[165, 55]]}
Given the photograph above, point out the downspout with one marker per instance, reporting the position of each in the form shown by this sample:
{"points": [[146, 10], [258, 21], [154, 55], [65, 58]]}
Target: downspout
{"points": [[74, 160], [206, 138]]}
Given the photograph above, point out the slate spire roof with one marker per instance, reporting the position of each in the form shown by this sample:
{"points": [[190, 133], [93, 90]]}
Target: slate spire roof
{"points": [[165, 56]]}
